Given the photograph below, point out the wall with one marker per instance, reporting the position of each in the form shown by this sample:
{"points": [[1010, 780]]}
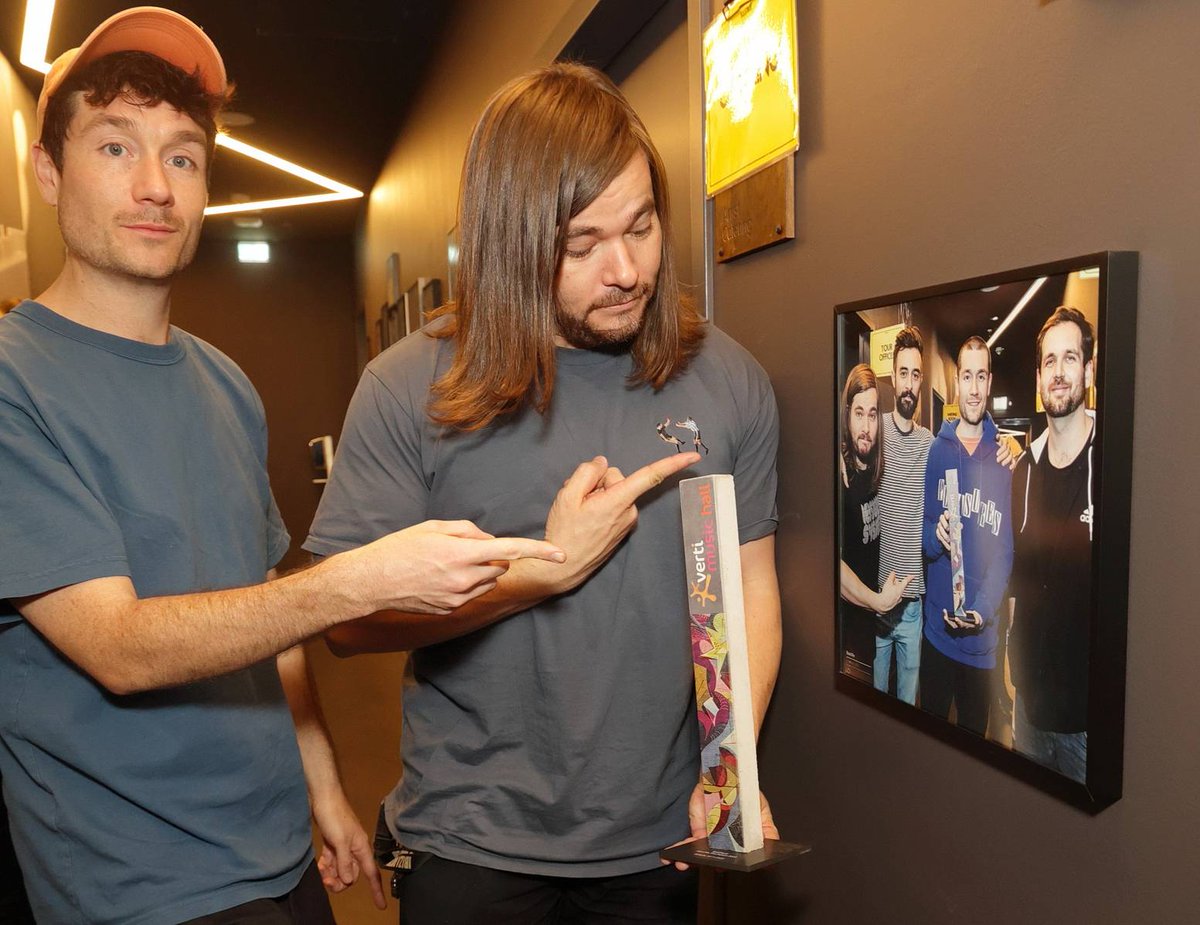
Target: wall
{"points": [[652, 72], [412, 206], [30, 247], [289, 325], [938, 145]]}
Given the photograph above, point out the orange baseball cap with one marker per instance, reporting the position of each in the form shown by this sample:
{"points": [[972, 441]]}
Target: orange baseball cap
{"points": [[160, 32]]}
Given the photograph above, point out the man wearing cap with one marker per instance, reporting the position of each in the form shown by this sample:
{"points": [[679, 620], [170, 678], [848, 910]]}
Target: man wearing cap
{"points": [[150, 765]]}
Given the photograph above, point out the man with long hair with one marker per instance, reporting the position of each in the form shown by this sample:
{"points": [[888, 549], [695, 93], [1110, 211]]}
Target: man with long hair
{"points": [[150, 764], [860, 462], [550, 744]]}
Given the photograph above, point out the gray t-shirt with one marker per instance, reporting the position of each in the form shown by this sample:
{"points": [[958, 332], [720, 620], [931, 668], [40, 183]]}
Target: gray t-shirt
{"points": [[562, 740], [124, 458]]}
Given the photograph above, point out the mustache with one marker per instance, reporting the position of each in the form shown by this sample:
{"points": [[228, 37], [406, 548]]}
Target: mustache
{"points": [[620, 296], [151, 217]]}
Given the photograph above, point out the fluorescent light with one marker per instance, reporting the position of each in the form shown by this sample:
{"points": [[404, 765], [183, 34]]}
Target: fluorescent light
{"points": [[1090, 273], [337, 191], [35, 40], [253, 252], [36, 35], [1029, 294]]}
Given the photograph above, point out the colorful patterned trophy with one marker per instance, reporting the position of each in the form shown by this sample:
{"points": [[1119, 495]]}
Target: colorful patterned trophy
{"points": [[728, 764]]}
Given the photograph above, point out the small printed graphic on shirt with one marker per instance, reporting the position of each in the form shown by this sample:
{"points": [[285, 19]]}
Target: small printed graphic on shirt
{"points": [[688, 424]]}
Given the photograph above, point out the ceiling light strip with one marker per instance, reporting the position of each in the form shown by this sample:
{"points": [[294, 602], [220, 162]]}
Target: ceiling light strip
{"points": [[1029, 294], [35, 40], [264, 204]]}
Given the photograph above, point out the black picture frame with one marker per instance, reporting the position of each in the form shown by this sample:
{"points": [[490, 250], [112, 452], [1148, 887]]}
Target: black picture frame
{"points": [[412, 309], [949, 312]]}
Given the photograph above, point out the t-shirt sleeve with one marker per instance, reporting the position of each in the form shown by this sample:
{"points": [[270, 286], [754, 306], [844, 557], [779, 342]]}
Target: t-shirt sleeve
{"points": [[754, 473], [278, 539], [377, 484], [54, 531]]}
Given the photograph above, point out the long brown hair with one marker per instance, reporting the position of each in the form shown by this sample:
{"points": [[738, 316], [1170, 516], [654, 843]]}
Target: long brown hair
{"points": [[861, 379], [546, 146]]}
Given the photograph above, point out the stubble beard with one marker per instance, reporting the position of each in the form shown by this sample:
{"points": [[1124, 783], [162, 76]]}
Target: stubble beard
{"points": [[966, 414], [867, 461], [1066, 405], [102, 252], [581, 334]]}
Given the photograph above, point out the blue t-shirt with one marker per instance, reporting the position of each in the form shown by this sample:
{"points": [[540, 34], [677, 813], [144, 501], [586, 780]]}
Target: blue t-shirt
{"points": [[119, 458], [562, 740]]}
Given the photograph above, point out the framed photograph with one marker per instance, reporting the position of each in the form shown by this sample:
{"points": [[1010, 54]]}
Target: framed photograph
{"points": [[380, 335], [412, 308], [429, 294], [983, 435], [393, 277], [396, 330]]}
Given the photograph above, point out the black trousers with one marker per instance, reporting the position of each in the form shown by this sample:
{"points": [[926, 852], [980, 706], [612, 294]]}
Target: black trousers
{"points": [[14, 904], [307, 904], [945, 681], [442, 892]]}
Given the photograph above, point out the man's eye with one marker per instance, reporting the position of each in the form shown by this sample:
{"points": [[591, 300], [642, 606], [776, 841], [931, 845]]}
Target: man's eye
{"points": [[580, 254], [181, 162], [114, 149]]}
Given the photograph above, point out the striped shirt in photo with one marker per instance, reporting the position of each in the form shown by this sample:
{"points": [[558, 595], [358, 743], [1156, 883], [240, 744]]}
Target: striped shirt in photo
{"points": [[902, 503]]}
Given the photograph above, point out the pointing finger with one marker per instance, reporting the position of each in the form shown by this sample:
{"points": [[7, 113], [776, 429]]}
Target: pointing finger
{"points": [[463, 528], [515, 547], [584, 480], [638, 483]]}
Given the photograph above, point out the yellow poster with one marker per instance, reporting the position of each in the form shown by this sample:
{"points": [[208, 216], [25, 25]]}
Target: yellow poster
{"points": [[882, 340], [751, 109]]}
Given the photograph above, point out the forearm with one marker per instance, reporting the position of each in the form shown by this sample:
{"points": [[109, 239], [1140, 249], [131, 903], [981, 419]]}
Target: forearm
{"points": [[137, 644], [312, 735], [764, 630], [526, 584], [854, 590]]}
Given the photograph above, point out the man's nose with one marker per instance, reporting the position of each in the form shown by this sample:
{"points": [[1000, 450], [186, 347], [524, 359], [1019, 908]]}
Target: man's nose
{"points": [[620, 269], [150, 183]]}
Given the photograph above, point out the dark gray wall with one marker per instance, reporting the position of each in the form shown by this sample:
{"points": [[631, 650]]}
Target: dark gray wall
{"points": [[290, 325], [942, 140]]}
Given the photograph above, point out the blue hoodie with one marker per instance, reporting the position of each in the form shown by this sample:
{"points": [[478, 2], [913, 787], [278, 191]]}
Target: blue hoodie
{"points": [[985, 498]]}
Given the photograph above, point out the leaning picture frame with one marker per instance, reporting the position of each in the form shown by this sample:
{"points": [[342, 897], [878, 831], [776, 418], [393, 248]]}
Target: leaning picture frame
{"points": [[983, 464]]}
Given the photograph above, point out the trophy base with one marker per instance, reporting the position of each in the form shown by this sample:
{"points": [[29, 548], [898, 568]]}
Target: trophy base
{"points": [[699, 853]]}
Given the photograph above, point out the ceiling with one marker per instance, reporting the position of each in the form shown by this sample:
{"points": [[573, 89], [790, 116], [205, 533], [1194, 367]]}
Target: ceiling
{"points": [[326, 83]]}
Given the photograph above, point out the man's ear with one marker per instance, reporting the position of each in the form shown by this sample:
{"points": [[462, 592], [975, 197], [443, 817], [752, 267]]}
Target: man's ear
{"points": [[48, 175]]}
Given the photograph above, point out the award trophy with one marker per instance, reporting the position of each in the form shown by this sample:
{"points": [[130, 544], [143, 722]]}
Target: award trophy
{"points": [[728, 764], [958, 579]]}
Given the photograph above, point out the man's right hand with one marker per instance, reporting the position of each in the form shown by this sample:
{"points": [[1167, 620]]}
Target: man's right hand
{"points": [[437, 566], [892, 591], [595, 510], [943, 530]]}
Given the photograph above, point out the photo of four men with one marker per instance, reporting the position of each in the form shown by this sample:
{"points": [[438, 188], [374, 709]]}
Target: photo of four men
{"points": [[967, 443]]}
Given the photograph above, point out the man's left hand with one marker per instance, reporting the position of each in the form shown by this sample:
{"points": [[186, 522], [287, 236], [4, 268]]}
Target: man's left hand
{"points": [[972, 620], [346, 850]]}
